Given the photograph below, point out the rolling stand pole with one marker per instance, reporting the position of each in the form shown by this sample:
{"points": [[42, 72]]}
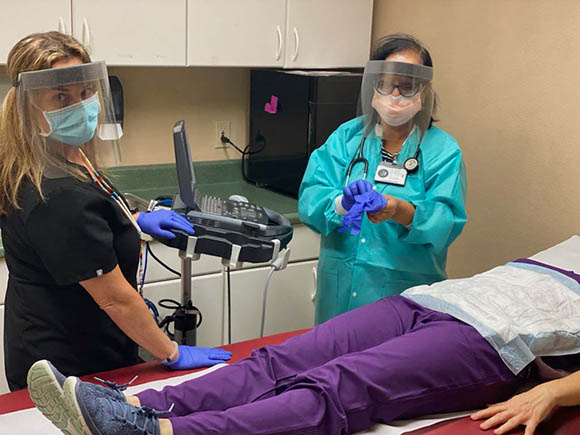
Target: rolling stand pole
{"points": [[186, 317]]}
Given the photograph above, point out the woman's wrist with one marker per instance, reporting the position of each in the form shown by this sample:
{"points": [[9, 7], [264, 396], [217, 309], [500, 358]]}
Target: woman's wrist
{"points": [[404, 212], [174, 353], [562, 392]]}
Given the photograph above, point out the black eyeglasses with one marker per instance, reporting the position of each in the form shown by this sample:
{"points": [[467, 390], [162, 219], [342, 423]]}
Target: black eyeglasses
{"points": [[408, 88]]}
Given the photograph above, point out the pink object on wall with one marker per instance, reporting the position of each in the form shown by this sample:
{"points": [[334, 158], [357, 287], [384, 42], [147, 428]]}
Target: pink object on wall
{"points": [[272, 106]]}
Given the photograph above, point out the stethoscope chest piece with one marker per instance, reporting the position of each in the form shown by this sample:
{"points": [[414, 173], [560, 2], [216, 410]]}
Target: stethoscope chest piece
{"points": [[411, 164]]}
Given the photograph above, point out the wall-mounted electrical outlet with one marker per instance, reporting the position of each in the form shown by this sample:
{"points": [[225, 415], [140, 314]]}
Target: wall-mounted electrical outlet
{"points": [[221, 127]]}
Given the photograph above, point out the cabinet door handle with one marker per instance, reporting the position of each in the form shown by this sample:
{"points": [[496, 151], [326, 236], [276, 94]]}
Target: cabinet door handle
{"points": [[279, 50], [296, 44], [61, 26], [86, 38], [315, 276]]}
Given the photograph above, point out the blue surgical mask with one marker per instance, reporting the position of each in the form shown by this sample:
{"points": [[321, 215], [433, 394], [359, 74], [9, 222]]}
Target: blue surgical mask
{"points": [[75, 124]]}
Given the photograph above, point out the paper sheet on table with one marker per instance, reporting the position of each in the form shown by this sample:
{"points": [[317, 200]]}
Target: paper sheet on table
{"points": [[565, 255], [31, 421]]}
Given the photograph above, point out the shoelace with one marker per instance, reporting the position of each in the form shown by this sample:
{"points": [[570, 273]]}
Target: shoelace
{"points": [[114, 386], [148, 416]]}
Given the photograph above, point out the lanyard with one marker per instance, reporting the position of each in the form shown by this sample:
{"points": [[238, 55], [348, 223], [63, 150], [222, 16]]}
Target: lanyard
{"points": [[100, 181], [106, 187]]}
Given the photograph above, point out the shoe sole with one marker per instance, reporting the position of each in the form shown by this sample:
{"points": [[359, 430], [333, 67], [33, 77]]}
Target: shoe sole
{"points": [[47, 395], [74, 409]]}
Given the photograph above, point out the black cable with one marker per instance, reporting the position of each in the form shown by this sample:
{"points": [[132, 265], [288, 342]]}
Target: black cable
{"points": [[226, 140], [161, 262], [246, 152], [244, 175], [229, 308], [179, 311]]}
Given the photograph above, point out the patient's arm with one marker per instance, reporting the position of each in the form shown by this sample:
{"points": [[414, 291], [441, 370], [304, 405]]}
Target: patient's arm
{"points": [[531, 407]]}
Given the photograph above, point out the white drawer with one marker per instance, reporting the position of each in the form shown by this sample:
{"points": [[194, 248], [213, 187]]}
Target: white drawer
{"points": [[3, 280], [305, 244], [3, 381], [170, 256]]}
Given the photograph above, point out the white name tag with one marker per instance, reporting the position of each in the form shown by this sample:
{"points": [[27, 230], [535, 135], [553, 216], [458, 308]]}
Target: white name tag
{"points": [[389, 173]]}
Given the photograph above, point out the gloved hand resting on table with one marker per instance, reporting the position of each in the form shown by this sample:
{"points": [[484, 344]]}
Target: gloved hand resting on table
{"points": [[192, 357], [370, 201], [157, 223], [357, 187]]}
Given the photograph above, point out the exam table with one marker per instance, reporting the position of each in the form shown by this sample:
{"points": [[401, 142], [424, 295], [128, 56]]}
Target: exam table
{"points": [[565, 421]]}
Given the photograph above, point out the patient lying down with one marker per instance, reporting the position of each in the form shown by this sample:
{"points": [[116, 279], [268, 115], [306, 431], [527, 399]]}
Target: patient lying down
{"points": [[454, 345]]}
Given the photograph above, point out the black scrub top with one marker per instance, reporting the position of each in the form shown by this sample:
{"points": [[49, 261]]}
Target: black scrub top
{"points": [[78, 232]]}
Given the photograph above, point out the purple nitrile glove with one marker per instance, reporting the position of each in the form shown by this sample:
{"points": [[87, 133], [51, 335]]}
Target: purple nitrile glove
{"points": [[193, 357], [375, 202], [157, 223], [357, 187], [371, 202], [352, 219]]}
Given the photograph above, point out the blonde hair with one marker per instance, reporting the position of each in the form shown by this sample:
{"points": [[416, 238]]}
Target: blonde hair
{"points": [[23, 151]]}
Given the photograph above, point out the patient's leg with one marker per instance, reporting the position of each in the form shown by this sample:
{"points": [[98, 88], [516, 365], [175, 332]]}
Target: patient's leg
{"points": [[443, 365], [267, 368]]}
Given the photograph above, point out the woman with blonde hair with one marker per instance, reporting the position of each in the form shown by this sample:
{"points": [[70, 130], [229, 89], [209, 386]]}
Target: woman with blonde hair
{"points": [[71, 243]]}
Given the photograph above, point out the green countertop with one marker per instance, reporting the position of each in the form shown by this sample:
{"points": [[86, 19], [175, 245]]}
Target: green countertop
{"points": [[220, 178]]}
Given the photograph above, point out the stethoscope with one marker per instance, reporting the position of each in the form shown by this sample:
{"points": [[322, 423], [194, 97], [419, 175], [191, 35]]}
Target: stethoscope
{"points": [[411, 164]]}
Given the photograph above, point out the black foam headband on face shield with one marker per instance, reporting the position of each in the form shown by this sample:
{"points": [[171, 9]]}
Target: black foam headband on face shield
{"points": [[53, 77], [379, 67]]}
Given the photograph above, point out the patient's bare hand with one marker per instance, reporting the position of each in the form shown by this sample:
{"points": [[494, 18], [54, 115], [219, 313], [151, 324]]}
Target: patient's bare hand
{"points": [[528, 409]]}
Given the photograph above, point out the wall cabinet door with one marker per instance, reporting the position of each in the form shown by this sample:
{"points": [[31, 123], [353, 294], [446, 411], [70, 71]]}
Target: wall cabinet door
{"points": [[236, 33], [20, 18], [132, 32], [328, 33], [170, 256], [289, 304]]}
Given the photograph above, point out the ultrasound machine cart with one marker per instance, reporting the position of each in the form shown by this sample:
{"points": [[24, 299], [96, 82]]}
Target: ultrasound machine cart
{"points": [[235, 231]]}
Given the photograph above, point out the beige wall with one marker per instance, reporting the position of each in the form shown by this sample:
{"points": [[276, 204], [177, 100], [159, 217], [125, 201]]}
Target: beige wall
{"points": [[155, 98], [508, 76]]}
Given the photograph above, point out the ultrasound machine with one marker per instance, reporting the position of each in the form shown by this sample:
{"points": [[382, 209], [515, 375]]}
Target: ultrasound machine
{"points": [[235, 231]]}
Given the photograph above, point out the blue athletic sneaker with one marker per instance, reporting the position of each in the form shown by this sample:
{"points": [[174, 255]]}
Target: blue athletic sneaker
{"points": [[94, 414], [45, 386]]}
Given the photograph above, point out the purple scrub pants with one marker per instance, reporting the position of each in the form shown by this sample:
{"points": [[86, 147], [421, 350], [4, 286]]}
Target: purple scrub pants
{"points": [[388, 360]]}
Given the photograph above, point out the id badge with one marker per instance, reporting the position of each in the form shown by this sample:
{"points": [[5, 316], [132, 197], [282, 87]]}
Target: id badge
{"points": [[389, 173]]}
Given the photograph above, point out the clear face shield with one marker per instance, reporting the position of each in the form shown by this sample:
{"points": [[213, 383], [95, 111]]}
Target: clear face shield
{"points": [[70, 105], [396, 96]]}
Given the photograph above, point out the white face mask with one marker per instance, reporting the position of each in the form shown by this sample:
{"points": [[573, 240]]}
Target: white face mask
{"points": [[397, 110]]}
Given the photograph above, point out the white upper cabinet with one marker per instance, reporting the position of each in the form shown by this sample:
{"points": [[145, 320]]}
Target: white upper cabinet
{"points": [[249, 33], [22, 17], [328, 33], [279, 33], [132, 32], [236, 33]]}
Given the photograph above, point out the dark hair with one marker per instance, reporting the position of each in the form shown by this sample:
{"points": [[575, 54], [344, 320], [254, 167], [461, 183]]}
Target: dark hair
{"points": [[397, 42]]}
